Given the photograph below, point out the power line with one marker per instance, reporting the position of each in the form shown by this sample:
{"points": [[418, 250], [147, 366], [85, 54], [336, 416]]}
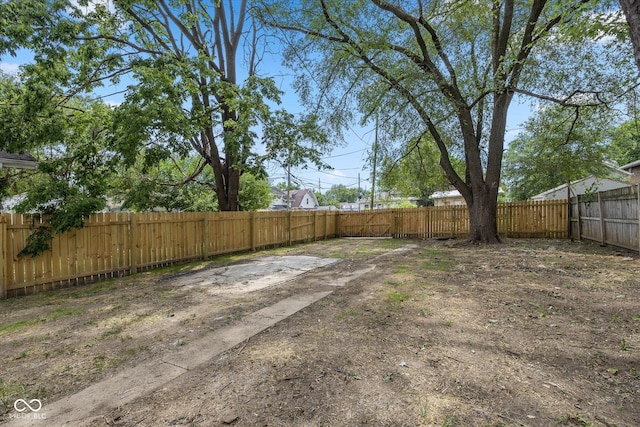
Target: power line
{"points": [[344, 154], [334, 174]]}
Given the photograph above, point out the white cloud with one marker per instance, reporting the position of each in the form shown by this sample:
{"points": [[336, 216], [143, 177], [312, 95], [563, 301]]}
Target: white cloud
{"points": [[10, 68]]}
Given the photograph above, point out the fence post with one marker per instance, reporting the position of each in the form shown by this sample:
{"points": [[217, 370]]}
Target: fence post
{"points": [[393, 223], [602, 227], [570, 222], [507, 220], [365, 219], [315, 225], [290, 229], [133, 243], [326, 225], [253, 230], [570, 215], [579, 218], [427, 223], [205, 235], [4, 273], [453, 222]]}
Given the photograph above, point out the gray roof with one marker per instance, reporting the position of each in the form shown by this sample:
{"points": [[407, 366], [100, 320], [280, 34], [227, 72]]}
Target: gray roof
{"points": [[22, 160], [630, 165]]}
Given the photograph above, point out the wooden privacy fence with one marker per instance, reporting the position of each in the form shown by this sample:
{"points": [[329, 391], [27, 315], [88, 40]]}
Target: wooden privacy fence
{"points": [[114, 244], [547, 219], [609, 217]]}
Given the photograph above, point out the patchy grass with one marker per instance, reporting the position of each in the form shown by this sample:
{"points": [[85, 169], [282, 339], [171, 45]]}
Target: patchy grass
{"points": [[438, 260], [59, 312], [396, 298], [9, 392], [349, 313], [17, 326]]}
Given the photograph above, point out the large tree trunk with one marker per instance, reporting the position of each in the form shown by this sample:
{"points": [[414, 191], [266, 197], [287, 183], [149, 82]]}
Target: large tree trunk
{"points": [[631, 10], [483, 226], [228, 197], [233, 190], [228, 192]]}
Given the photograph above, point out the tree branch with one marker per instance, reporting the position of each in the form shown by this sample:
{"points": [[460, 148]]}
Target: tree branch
{"points": [[567, 101]]}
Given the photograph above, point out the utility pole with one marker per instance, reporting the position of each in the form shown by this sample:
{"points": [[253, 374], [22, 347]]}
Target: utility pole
{"points": [[288, 187], [375, 160], [289, 179], [359, 192]]}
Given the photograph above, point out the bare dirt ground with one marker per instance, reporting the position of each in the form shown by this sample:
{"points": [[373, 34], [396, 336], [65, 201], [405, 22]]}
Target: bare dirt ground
{"points": [[527, 333]]}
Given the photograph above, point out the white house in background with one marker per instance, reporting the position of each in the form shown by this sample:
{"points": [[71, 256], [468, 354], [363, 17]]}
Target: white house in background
{"points": [[303, 199], [385, 200], [279, 202], [633, 169], [582, 186], [451, 198], [300, 199], [347, 206], [21, 160], [448, 198]]}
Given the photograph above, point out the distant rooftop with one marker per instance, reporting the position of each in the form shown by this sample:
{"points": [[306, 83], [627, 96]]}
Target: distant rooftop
{"points": [[22, 160]]}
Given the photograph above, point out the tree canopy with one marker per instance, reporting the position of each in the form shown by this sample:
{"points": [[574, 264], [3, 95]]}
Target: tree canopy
{"points": [[624, 132], [70, 137], [413, 171], [557, 146], [187, 71], [625, 142], [340, 194]]}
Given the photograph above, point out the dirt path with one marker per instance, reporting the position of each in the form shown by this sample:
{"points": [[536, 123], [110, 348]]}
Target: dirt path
{"points": [[529, 333]]}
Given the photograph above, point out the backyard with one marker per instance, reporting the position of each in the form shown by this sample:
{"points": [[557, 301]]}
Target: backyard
{"points": [[531, 332]]}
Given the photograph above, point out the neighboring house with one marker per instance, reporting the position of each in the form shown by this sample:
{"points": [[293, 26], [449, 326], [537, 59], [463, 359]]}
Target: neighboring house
{"points": [[300, 199], [21, 160], [582, 186], [347, 206], [448, 198], [386, 200], [633, 169], [303, 199], [327, 208], [383, 201], [279, 200], [451, 198]]}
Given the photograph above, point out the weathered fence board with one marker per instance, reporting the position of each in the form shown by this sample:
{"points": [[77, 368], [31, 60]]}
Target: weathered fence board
{"points": [[609, 217]]}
